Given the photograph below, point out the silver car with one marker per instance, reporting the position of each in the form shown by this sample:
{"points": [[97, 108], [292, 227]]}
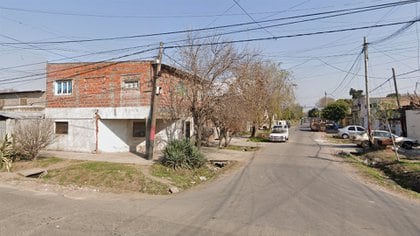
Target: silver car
{"points": [[350, 130]]}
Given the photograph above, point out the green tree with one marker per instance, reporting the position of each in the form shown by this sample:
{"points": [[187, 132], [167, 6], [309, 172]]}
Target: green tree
{"points": [[335, 111], [314, 112], [355, 93]]}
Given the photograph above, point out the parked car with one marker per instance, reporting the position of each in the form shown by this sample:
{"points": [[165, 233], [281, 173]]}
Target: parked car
{"points": [[349, 130], [383, 137], [279, 133], [331, 128]]}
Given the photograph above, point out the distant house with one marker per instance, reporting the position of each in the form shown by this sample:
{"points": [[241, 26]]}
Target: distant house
{"points": [[359, 113], [103, 107], [19, 105]]}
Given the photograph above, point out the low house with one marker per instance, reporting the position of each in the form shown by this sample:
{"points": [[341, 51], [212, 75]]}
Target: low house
{"points": [[104, 107], [413, 123], [19, 105], [411, 117], [378, 104]]}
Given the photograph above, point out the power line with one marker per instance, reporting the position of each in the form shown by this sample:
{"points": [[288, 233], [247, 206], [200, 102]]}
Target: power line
{"points": [[298, 35], [30, 77], [382, 84], [139, 16], [346, 11], [398, 32], [252, 18], [348, 72], [247, 40]]}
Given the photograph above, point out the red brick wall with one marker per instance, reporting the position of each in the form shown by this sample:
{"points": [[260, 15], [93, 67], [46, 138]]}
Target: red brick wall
{"points": [[100, 84]]}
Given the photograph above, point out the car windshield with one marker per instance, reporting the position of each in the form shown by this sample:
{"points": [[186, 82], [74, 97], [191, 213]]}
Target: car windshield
{"points": [[279, 130]]}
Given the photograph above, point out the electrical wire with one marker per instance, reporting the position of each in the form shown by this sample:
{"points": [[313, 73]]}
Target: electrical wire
{"points": [[252, 18], [245, 41], [348, 73], [346, 12]]}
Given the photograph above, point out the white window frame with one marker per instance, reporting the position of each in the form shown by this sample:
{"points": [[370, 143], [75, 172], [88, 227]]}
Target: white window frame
{"points": [[63, 87], [131, 84]]}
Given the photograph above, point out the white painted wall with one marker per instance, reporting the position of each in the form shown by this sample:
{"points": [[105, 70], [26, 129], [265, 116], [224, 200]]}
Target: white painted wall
{"points": [[113, 135], [80, 137], [413, 124], [115, 128], [104, 112]]}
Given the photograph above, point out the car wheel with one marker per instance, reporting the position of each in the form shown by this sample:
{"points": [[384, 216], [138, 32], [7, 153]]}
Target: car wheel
{"points": [[345, 136], [407, 145], [365, 144]]}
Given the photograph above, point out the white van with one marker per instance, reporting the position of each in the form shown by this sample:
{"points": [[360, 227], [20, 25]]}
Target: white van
{"points": [[279, 133]]}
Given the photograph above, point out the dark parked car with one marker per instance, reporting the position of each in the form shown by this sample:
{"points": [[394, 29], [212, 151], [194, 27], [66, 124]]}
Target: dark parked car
{"points": [[331, 128]]}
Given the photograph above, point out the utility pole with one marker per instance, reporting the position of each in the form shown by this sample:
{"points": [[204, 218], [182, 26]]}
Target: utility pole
{"points": [[396, 89], [365, 50], [150, 140], [402, 116], [326, 102]]}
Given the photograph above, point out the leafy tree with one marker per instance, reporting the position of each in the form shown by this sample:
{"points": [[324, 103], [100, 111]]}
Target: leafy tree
{"points": [[355, 93], [314, 112], [335, 111]]}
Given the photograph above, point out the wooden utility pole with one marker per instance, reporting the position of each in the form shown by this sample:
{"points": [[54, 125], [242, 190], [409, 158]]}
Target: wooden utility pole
{"points": [[150, 140], [396, 89], [365, 50], [402, 119]]}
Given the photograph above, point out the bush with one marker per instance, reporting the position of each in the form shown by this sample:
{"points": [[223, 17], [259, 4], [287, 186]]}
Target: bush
{"points": [[31, 136], [182, 154], [7, 154]]}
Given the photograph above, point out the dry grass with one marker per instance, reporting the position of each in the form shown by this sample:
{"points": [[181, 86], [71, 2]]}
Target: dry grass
{"points": [[118, 177]]}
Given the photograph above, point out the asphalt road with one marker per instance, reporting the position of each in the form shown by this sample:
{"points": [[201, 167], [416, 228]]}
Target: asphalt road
{"points": [[292, 188]]}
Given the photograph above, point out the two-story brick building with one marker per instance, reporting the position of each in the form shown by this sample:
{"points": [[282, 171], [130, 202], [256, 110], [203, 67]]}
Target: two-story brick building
{"points": [[103, 107]]}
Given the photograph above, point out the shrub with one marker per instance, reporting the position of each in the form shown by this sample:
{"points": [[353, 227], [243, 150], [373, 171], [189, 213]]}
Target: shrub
{"points": [[182, 154], [7, 154], [31, 136]]}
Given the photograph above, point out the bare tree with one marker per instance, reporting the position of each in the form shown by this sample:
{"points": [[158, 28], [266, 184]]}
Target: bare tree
{"points": [[209, 62], [31, 136], [265, 89], [229, 116]]}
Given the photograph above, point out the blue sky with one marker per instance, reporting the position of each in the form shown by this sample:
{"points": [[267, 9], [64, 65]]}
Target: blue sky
{"points": [[318, 63]]}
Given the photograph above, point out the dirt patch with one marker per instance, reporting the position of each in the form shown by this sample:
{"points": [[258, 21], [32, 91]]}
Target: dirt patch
{"points": [[370, 169], [406, 173]]}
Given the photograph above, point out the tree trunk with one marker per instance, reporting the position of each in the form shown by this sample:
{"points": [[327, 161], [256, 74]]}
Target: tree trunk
{"points": [[198, 135], [253, 130], [228, 138]]}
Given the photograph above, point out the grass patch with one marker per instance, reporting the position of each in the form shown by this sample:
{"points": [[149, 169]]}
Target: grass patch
{"points": [[187, 178], [411, 166], [119, 177], [114, 177], [382, 168], [258, 139], [337, 140], [41, 162], [47, 161]]}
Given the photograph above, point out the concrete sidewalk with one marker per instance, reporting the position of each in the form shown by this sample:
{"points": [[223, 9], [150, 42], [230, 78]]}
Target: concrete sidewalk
{"points": [[120, 157]]}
